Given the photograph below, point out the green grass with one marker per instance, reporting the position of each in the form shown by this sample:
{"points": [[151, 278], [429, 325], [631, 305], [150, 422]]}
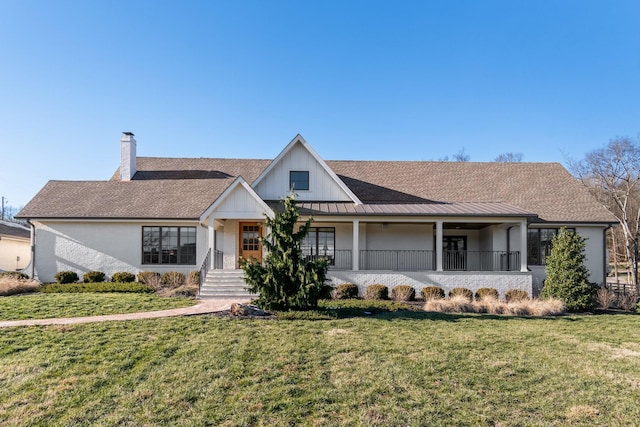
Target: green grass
{"points": [[49, 305], [390, 368]]}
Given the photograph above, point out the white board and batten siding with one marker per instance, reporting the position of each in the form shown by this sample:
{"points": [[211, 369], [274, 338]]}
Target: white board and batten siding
{"points": [[240, 204], [322, 186]]}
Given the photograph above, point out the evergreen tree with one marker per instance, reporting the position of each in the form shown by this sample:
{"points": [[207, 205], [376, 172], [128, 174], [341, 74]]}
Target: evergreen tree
{"points": [[286, 279], [567, 276]]}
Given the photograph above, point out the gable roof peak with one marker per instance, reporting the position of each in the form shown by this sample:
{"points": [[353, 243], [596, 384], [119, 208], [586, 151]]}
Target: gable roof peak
{"points": [[298, 139]]}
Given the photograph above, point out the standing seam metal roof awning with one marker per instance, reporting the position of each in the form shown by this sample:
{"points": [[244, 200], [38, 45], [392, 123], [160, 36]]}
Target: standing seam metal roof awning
{"points": [[482, 209]]}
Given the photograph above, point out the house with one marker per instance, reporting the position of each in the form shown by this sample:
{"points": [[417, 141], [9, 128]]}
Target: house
{"points": [[448, 224], [15, 246]]}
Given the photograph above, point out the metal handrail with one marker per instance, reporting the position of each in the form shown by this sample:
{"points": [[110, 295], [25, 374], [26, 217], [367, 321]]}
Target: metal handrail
{"points": [[397, 260], [204, 269], [481, 261]]}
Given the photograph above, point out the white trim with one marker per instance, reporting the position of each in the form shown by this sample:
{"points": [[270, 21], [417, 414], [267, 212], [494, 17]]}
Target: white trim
{"points": [[439, 246], [355, 254], [238, 181], [407, 219], [300, 140], [116, 220], [524, 242]]}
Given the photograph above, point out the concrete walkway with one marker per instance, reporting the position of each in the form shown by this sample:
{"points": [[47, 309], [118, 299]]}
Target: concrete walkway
{"points": [[204, 306]]}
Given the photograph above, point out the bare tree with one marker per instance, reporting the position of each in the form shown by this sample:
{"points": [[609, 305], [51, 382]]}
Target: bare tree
{"points": [[8, 213], [612, 175], [461, 156], [509, 158]]}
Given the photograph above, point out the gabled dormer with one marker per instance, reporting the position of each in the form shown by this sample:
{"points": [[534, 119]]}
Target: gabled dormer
{"points": [[300, 169]]}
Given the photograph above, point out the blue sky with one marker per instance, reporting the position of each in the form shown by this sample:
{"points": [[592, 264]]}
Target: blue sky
{"points": [[401, 80]]}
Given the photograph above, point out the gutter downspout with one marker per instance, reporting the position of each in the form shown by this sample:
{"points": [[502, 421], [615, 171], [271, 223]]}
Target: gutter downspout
{"points": [[605, 256], [33, 249]]}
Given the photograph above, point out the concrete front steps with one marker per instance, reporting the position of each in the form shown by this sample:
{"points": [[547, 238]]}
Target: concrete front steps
{"points": [[225, 284]]}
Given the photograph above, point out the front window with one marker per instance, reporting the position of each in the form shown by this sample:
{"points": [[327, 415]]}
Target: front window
{"points": [[169, 245], [539, 244], [320, 242], [298, 180]]}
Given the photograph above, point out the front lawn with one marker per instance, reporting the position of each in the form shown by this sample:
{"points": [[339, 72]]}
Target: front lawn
{"points": [[49, 305], [388, 368]]}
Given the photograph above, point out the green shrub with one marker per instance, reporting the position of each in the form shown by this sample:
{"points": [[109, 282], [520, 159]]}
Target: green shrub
{"points": [[461, 292], [346, 291], [173, 279], [97, 287], [149, 278], [567, 276], [123, 277], [487, 292], [13, 275], [286, 278], [66, 277], [516, 295], [93, 277], [376, 292], [403, 293], [432, 292]]}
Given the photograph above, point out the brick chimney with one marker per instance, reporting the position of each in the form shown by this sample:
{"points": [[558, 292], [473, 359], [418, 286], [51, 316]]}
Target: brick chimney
{"points": [[127, 156]]}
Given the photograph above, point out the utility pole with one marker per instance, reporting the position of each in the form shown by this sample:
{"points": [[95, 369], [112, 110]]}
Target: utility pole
{"points": [[3, 200]]}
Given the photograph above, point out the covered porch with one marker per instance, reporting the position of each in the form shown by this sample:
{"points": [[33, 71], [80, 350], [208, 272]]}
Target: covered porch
{"points": [[374, 245]]}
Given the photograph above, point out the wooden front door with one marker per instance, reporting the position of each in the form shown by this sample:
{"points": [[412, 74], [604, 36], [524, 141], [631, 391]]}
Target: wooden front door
{"points": [[250, 246]]}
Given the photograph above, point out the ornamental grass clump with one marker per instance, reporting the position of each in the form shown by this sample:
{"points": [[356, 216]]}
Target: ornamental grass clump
{"points": [[376, 292], [429, 293], [454, 304], [489, 305], [14, 285], [13, 275], [346, 291], [403, 293]]}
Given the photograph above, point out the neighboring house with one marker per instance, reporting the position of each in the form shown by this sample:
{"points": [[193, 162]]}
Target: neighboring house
{"points": [[449, 224], [15, 246]]}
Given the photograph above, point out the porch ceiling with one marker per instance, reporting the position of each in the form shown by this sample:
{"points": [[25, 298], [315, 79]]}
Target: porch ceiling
{"points": [[465, 225]]}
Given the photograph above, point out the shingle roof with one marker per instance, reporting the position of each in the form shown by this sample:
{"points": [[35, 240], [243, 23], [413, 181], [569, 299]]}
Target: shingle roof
{"points": [[16, 230], [168, 188], [547, 189], [181, 188]]}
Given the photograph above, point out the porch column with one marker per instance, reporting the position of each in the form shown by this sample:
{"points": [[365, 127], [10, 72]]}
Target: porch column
{"points": [[355, 255], [523, 246], [439, 246], [212, 241]]}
